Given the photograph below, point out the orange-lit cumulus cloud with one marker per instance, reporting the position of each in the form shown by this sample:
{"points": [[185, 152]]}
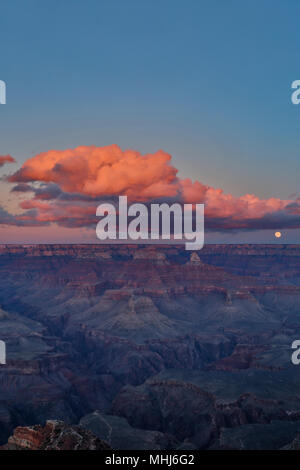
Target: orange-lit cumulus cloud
{"points": [[99, 171], [6, 159], [64, 187], [89, 173]]}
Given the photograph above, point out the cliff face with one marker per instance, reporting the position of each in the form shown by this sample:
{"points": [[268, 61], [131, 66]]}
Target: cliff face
{"points": [[54, 435], [83, 322]]}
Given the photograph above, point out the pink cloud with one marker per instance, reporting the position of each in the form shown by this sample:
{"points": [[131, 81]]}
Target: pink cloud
{"points": [[98, 171], [87, 173], [6, 159]]}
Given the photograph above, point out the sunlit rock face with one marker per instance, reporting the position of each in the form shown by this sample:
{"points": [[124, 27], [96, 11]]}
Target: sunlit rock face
{"points": [[55, 435]]}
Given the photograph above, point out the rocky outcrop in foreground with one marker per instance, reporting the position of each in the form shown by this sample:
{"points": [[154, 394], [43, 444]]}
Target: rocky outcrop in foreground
{"points": [[55, 435]]}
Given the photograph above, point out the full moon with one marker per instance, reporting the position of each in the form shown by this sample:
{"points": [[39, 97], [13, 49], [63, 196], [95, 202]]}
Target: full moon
{"points": [[277, 234]]}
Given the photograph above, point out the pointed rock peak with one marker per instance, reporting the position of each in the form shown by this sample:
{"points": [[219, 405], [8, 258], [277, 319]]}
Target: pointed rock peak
{"points": [[195, 259]]}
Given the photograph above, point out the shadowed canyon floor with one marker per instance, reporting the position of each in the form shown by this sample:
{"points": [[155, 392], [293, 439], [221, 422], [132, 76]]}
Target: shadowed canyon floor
{"points": [[153, 347]]}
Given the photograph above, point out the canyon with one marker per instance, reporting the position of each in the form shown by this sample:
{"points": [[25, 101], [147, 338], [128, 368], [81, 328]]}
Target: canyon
{"points": [[152, 347]]}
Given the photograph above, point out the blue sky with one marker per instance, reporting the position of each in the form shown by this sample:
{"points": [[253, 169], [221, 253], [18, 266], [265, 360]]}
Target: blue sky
{"points": [[206, 81]]}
